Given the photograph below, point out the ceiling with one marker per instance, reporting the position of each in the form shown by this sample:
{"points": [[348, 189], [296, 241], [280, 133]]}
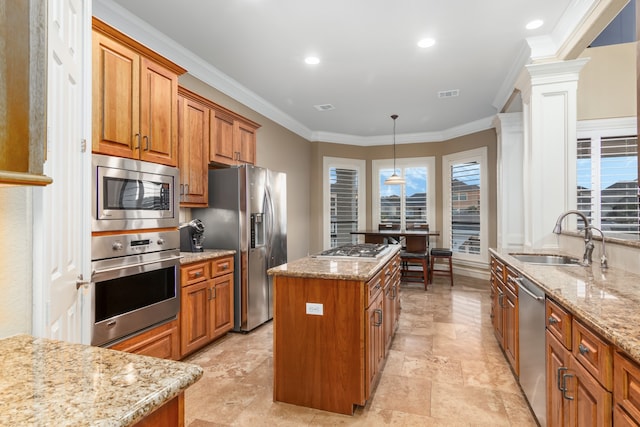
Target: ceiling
{"points": [[370, 66]]}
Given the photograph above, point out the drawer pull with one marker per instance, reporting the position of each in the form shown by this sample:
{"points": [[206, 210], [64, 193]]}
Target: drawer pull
{"points": [[197, 274], [583, 349], [552, 320]]}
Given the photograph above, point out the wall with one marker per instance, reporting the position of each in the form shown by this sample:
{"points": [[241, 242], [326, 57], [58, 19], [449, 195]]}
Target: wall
{"points": [[277, 149], [15, 260], [319, 150], [607, 84]]}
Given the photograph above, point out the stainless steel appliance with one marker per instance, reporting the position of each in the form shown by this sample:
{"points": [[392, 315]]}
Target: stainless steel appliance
{"points": [[132, 194], [363, 250], [247, 212], [136, 283], [191, 236], [531, 321]]}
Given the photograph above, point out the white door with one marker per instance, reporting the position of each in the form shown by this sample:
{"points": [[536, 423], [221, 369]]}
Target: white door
{"points": [[61, 236]]}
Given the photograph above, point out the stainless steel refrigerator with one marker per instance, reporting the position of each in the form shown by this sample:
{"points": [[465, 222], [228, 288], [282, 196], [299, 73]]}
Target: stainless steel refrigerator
{"points": [[248, 212]]}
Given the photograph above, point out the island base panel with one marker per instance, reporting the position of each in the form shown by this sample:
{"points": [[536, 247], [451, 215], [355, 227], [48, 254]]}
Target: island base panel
{"points": [[318, 358]]}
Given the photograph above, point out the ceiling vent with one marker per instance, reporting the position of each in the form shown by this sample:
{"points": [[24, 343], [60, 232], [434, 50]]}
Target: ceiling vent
{"points": [[324, 107], [448, 93]]}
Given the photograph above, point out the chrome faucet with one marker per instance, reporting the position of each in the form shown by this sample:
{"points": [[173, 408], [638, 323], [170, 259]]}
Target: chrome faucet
{"points": [[603, 259], [588, 244]]}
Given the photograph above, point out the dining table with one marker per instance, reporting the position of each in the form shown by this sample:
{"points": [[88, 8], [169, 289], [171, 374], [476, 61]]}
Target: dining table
{"points": [[413, 238]]}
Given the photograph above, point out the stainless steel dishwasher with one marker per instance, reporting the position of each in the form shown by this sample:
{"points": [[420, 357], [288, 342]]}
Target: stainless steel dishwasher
{"points": [[531, 323]]}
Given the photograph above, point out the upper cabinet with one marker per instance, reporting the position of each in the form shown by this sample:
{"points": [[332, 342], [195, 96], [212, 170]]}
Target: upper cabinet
{"points": [[233, 139], [23, 104], [193, 130], [135, 99]]}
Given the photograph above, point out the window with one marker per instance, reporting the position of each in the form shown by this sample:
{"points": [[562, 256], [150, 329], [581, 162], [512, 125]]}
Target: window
{"points": [[607, 182], [408, 203], [344, 200], [465, 204]]}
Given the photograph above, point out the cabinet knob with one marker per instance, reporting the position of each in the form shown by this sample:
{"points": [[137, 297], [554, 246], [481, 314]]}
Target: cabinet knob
{"points": [[552, 320], [583, 349]]}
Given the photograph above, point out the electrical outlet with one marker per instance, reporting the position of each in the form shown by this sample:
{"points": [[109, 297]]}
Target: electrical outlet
{"points": [[315, 309]]}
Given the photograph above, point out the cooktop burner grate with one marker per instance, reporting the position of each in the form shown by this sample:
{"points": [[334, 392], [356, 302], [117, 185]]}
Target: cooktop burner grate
{"points": [[364, 250]]}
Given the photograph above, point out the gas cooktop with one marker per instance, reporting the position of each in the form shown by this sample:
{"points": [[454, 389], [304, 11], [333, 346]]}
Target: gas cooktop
{"points": [[362, 250]]}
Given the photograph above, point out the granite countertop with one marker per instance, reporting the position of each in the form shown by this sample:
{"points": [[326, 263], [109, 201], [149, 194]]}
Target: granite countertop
{"points": [[606, 300], [334, 267], [207, 254], [47, 383]]}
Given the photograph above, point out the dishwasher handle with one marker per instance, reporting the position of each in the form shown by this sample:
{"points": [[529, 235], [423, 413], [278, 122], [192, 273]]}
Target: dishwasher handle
{"points": [[527, 291]]}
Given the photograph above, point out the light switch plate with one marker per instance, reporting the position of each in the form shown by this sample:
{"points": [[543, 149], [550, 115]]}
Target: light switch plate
{"points": [[315, 309]]}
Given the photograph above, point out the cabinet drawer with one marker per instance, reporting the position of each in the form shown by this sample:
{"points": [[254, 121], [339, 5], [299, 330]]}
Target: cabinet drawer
{"points": [[510, 282], [626, 392], [374, 286], [498, 269], [558, 322], [221, 266], [593, 353], [194, 273]]}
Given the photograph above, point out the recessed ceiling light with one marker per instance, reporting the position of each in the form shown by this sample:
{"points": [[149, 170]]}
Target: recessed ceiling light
{"points": [[536, 23], [426, 42], [312, 60]]}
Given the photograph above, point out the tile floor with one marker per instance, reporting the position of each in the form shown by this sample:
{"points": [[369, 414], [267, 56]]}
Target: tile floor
{"points": [[444, 369]]}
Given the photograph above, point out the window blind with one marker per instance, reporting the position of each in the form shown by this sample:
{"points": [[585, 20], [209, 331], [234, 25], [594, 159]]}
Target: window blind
{"points": [[465, 207], [344, 205]]}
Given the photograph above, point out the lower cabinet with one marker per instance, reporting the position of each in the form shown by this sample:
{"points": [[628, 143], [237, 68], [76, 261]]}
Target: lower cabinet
{"points": [[579, 372], [504, 311], [162, 341], [171, 414], [206, 302], [375, 339], [626, 391]]}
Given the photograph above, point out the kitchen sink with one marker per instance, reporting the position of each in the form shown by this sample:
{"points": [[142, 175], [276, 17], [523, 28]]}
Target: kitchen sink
{"points": [[547, 259]]}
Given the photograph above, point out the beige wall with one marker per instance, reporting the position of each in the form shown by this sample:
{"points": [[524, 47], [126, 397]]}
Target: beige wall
{"points": [[16, 285], [277, 149], [607, 84], [437, 149]]}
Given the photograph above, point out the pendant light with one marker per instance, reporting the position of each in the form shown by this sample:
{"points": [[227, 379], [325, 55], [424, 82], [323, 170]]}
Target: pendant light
{"points": [[394, 179]]}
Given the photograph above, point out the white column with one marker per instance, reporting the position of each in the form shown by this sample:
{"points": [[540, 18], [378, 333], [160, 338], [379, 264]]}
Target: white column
{"points": [[510, 200], [549, 167]]}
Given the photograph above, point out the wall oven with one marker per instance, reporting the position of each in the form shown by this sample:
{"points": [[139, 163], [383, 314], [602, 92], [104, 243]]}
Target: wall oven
{"points": [[136, 283], [132, 194]]}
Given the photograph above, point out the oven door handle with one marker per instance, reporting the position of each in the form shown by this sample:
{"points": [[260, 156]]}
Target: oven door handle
{"points": [[137, 264]]}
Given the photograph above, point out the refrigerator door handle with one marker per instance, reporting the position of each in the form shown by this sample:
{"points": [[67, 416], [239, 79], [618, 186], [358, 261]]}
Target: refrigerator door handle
{"points": [[269, 211]]}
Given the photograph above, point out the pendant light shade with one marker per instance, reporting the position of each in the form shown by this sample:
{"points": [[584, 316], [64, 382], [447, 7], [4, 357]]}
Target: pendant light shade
{"points": [[394, 179]]}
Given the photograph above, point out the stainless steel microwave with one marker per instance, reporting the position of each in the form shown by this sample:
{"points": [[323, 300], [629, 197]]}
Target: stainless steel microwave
{"points": [[133, 195]]}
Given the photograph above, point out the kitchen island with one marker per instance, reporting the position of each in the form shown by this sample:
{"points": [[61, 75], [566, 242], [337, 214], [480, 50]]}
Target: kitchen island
{"points": [[47, 383], [334, 318]]}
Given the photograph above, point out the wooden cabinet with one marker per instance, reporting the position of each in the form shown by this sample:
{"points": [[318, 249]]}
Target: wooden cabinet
{"points": [[233, 139], [193, 141], [23, 118], [135, 99], [626, 391], [504, 310], [329, 337], [206, 305], [171, 414], [162, 341], [579, 372]]}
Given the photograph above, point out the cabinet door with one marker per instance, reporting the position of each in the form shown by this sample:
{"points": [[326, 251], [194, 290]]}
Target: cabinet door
{"points": [[158, 114], [194, 312], [626, 388], [221, 149], [116, 95], [557, 365], [591, 404], [193, 140], [388, 311], [499, 313], [245, 143], [374, 345], [222, 316], [510, 301]]}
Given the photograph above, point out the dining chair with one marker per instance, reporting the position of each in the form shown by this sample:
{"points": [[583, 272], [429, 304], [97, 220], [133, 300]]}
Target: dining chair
{"points": [[415, 259], [390, 226]]}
